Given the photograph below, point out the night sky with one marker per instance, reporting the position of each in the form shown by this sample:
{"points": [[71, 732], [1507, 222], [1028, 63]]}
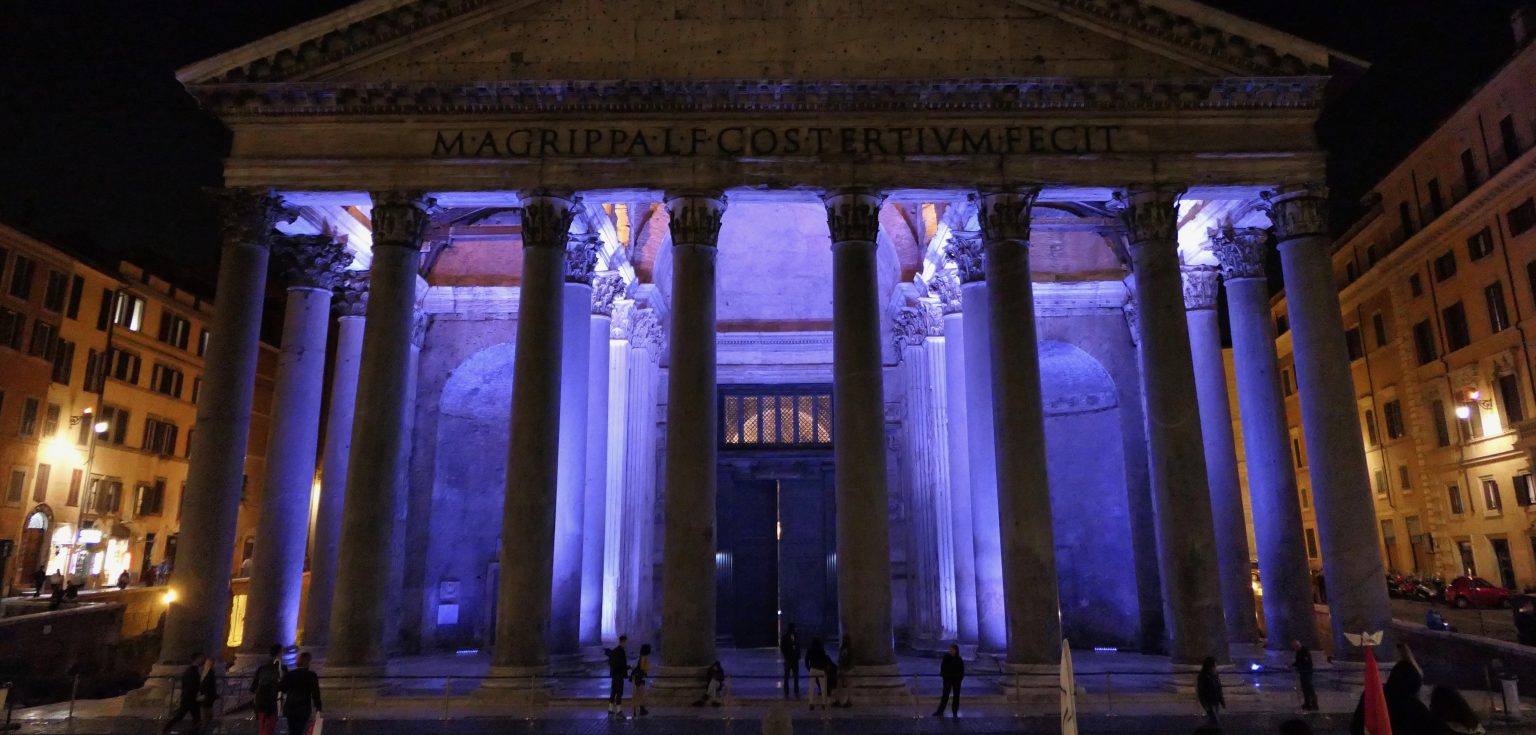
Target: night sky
{"points": [[102, 152]]}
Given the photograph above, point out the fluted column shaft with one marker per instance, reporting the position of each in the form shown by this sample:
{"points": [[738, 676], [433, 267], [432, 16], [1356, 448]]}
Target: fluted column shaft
{"points": [[1180, 490], [1018, 422], [311, 265], [196, 622], [571, 490], [1232, 555], [1277, 529], [931, 587], [523, 596], [688, 548], [595, 478], [961, 522], [969, 255], [1341, 487], [858, 432]]}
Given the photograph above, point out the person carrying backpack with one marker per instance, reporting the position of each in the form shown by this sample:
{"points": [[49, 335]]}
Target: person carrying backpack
{"points": [[266, 684]]}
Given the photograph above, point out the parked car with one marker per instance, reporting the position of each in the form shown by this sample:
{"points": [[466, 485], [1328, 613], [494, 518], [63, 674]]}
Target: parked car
{"points": [[1475, 592]]}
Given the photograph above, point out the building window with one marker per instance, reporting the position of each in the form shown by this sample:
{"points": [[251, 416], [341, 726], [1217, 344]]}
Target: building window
{"points": [[1416, 285], [55, 291], [1436, 201], [1522, 218], [63, 361], [128, 312], [1442, 429], [202, 343], [1389, 541], [1525, 490], [1468, 563], [1498, 312], [44, 335], [23, 270], [1424, 342], [1380, 477], [12, 325], [1405, 215], [762, 416], [40, 483], [1445, 266], [1480, 246], [1282, 325], [51, 419], [76, 291], [1491, 500], [197, 389], [1509, 395], [1404, 481], [1285, 382], [1372, 255], [117, 425], [165, 379], [1469, 175], [1353, 341], [1379, 326], [1311, 544], [76, 479], [123, 365], [159, 436], [1507, 137], [16, 486], [1393, 412], [1453, 493], [29, 409], [1296, 453], [1456, 334], [150, 500], [1371, 436], [175, 330], [1351, 272], [1470, 420], [104, 495]]}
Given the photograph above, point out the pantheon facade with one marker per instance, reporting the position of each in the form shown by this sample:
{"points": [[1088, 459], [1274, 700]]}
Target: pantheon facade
{"points": [[690, 321]]}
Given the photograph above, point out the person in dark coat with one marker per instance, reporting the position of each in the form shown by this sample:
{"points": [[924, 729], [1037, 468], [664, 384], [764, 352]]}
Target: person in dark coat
{"points": [[1525, 622], [1303, 666], [1407, 714], [789, 648], [266, 685], [301, 695], [39, 578], [951, 672], [191, 687], [618, 669], [1208, 690]]}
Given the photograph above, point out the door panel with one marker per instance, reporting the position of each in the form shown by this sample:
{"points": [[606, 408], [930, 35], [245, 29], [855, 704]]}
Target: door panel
{"points": [[747, 563], [807, 593]]}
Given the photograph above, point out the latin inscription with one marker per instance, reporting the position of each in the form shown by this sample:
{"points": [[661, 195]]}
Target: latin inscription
{"points": [[754, 142]]}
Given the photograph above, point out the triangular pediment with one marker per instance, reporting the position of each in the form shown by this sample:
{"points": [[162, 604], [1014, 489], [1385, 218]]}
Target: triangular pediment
{"points": [[397, 41]]}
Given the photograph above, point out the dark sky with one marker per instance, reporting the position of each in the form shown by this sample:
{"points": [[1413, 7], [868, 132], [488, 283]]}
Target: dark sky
{"points": [[101, 151]]}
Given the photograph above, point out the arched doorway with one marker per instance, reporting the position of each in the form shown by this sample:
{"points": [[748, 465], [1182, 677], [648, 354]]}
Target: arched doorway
{"points": [[34, 544]]}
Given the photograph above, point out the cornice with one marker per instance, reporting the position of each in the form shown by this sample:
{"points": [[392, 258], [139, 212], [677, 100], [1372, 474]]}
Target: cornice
{"points": [[577, 98]]}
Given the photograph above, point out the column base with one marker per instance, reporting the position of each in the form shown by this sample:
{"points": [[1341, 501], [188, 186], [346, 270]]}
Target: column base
{"points": [[160, 689], [245, 663], [1032, 682], [367, 676]]}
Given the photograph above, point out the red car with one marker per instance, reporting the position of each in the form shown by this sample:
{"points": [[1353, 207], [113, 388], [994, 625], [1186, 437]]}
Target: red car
{"points": [[1475, 592]]}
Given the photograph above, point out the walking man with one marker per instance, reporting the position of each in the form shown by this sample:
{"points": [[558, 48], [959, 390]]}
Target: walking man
{"points": [[301, 695], [266, 685], [1303, 666], [39, 578], [951, 671], [789, 648], [191, 686], [618, 669]]}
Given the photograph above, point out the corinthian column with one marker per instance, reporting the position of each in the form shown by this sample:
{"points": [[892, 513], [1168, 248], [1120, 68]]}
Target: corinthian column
{"points": [[1200, 287], [196, 622], [594, 504], [1266, 442], [349, 302], [1346, 518], [523, 596], [931, 586], [360, 605], [969, 254], [311, 265], [1018, 422], [858, 434], [961, 523], [571, 491], [1180, 492], [688, 548]]}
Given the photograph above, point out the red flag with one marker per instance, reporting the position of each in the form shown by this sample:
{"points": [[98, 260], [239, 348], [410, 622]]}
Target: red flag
{"points": [[1376, 720]]}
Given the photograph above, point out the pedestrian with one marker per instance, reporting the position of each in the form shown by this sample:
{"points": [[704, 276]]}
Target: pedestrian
{"points": [[638, 676], [817, 663], [123, 580], [56, 582], [208, 689], [266, 685], [1435, 621], [1451, 712], [1525, 622], [1208, 690], [618, 669], [789, 649], [191, 688], [301, 695], [149, 575], [714, 686], [837, 678], [1407, 714], [39, 578], [951, 672], [1303, 666]]}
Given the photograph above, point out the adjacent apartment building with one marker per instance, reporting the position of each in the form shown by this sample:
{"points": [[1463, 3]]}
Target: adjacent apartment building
{"points": [[1438, 287], [100, 371]]}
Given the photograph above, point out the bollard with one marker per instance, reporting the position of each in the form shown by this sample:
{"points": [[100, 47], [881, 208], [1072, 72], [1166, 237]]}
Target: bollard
{"points": [[447, 693], [74, 690], [1510, 683]]}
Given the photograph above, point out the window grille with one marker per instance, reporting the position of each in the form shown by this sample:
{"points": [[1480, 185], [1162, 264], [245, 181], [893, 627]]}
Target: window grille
{"points": [[775, 417]]}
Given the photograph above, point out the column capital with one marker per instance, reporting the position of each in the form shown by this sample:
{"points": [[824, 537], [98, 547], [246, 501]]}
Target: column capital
{"points": [[969, 255], [945, 286], [853, 215], [1132, 320], [913, 325], [1298, 211], [1149, 214], [399, 217], [351, 294], [1200, 286], [694, 218], [418, 329], [547, 218], [1240, 250], [645, 331], [605, 289], [247, 215], [581, 258], [310, 261], [1004, 214]]}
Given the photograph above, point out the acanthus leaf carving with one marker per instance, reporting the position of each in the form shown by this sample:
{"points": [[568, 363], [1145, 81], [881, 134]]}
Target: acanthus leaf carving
{"points": [[969, 256], [853, 215], [310, 261]]}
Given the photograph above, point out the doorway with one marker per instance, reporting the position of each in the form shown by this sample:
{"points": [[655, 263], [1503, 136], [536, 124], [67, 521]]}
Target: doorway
{"points": [[1505, 563], [34, 539]]}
